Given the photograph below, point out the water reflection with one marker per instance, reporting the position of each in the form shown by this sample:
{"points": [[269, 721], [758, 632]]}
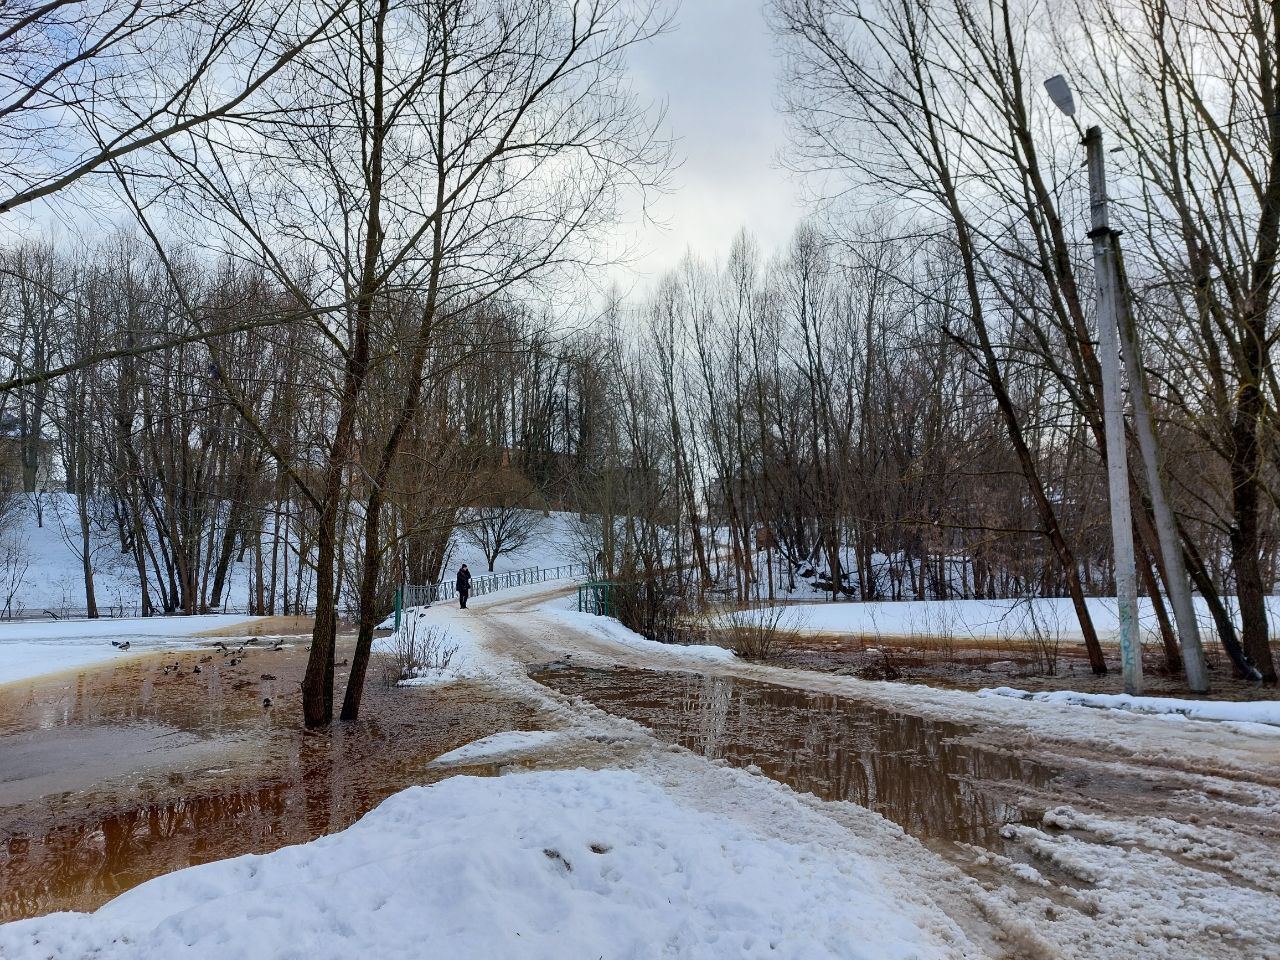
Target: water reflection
{"points": [[910, 769], [158, 771]]}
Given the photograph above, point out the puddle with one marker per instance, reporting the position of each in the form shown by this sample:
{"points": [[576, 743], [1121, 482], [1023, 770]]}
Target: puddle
{"points": [[117, 775], [909, 769]]}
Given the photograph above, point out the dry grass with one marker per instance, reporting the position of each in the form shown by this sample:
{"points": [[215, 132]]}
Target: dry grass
{"points": [[262, 626]]}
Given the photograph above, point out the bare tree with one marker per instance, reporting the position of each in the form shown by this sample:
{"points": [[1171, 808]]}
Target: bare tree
{"points": [[506, 522]]}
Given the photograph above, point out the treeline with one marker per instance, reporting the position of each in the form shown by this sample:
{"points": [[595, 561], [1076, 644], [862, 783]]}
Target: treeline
{"points": [[344, 205], [181, 455], [327, 330], [913, 387], [936, 115]]}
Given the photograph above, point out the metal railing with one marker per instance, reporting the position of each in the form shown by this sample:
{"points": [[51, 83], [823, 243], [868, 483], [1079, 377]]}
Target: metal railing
{"points": [[423, 595], [598, 597]]}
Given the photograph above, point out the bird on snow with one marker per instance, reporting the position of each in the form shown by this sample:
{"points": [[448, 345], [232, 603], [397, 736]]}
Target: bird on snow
{"points": [[120, 646]]}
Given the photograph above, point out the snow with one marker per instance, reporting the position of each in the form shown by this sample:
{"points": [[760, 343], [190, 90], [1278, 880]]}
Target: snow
{"points": [[29, 649], [607, 628], [499, 745], [537, 865], [557, 541], [53, 578], [971, 618], [468, 660], [1260, 712]]}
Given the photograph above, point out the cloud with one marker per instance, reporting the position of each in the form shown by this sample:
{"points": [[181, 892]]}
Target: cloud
{"points": [[717, 73]]}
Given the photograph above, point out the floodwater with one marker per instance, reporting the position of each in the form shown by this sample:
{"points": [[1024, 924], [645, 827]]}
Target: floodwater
{"points": [[920, 773], [112, 776]]}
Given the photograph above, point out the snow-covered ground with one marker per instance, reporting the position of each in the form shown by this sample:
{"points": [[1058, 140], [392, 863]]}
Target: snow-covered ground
{"points": [[628, 847], [575, 863], [608, 628], [1263, 714], [28, 649], [556, 865], [1009, 619]]}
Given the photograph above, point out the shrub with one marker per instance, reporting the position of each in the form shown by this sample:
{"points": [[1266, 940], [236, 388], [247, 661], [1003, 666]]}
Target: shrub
{"points": [[414, 650]]}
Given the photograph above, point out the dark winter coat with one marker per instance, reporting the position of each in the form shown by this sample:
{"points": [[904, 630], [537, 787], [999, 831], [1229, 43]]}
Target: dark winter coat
{"points": [[464, 581]]}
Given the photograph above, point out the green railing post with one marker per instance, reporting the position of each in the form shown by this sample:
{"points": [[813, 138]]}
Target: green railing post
{"points": [[399, 604]]}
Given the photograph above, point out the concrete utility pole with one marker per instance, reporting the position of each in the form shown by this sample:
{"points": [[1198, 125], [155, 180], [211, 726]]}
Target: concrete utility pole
{"points": [[1176, 580], [1107, 277], [1110, 276]]}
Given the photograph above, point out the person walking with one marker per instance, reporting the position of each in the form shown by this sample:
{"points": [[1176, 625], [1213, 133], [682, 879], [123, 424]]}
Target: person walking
{"points": [[463, 584]]}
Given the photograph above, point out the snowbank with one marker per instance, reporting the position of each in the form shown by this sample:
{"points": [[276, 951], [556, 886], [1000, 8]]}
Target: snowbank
{"points": [[607, 628], [28, 649], [972, 618], [558, 865], [1257, 712], [499, 745], [468, 660]]}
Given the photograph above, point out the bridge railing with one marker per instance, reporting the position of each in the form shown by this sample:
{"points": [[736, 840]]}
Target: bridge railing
{"points": [[425, 594]]}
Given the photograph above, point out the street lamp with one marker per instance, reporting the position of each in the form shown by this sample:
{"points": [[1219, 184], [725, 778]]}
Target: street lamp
{"points": [[1106, 275], [1060, 94]]}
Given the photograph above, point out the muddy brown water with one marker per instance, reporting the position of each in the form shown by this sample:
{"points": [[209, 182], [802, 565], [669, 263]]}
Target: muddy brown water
{"points": [[110, 777], [918, 772]]}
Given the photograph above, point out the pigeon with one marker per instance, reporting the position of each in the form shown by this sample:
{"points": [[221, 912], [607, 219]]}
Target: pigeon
{"points": [[205, 659], [196, 669], [279, 645], [234, 661], [221, 646], [251, 640], [120, 646]]}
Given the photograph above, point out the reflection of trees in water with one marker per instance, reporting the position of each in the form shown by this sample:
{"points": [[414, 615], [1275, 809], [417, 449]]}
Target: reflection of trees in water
{"points": [[712, 699], [301, 786], [910, 769]]}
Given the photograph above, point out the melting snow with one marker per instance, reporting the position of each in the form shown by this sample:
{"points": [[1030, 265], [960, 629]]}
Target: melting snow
{"points": [[539, 865], [1262, 713]]}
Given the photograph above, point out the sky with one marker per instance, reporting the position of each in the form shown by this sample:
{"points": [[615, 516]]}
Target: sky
{"points": [[717, 73]]}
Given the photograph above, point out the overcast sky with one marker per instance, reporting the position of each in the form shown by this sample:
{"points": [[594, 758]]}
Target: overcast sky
{"points": [[717, 73]]}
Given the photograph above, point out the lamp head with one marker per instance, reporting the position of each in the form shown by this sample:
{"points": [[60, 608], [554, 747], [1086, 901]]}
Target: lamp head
{"points": [[1060, 94]]}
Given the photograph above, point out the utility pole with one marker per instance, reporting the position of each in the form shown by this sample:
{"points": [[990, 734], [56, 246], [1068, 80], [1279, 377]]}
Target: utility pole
{"points": [[1107, 277], [1116, 320], [1175, 569]]}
